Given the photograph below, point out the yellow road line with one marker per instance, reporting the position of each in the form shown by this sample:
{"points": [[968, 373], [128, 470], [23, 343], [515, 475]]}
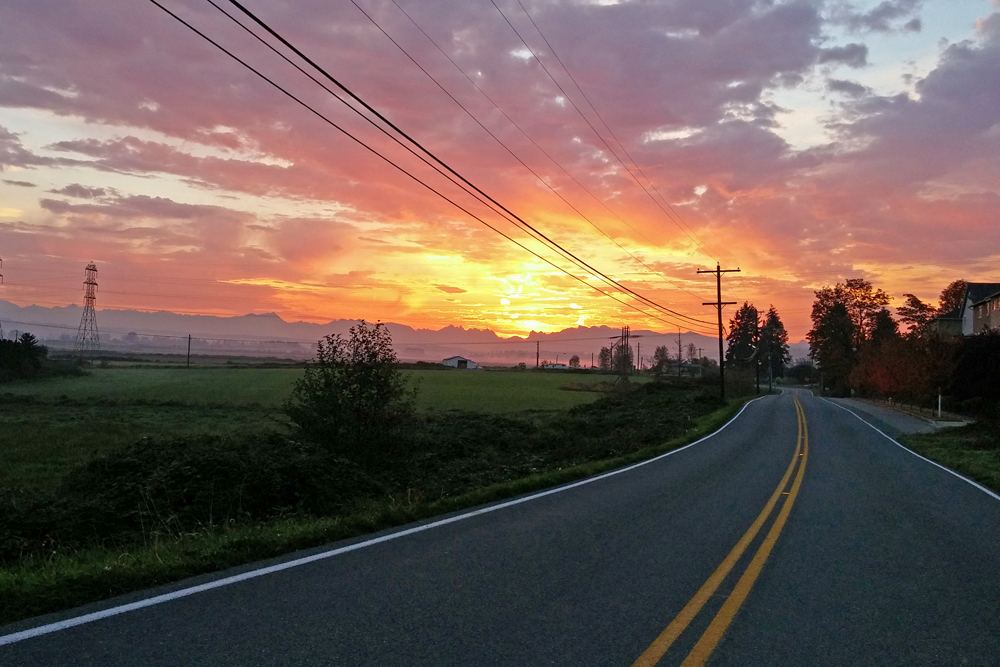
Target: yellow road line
{"points": [[713, 635], [662, 643]]}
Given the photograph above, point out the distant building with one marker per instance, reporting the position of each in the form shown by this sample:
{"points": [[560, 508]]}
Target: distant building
{"points": [[947, 325], [460, 362], [555, 367], [963, 321], [986, 313]]}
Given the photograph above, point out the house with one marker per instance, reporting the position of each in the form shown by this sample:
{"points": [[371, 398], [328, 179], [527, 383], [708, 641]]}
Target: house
{"points": [[986, 313], [460, 362], [555, 367], [947, 325], [962, 322]]}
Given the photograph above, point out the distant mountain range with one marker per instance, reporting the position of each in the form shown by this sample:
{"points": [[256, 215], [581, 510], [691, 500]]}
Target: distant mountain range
{"points": [[268, 334]]}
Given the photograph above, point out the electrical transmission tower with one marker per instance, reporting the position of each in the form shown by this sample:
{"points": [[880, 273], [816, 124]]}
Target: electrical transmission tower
{"points": [[87, 338]]}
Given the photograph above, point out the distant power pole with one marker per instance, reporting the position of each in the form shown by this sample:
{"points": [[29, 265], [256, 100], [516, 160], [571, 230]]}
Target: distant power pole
{"points": [[638, 355], [680, 356], [189, 351], [87, 338], [719, 303], [537, 352]]}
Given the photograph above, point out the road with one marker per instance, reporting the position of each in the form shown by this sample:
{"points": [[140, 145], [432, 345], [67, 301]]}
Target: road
{"points": [[798, 535]]}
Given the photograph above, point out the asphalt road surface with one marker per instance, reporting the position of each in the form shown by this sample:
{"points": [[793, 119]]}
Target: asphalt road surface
{"points": [[798, 535]]}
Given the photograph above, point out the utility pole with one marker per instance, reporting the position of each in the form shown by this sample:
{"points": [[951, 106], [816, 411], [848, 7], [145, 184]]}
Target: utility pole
{"points": [[591, 360], [756, 364], [537, 352], [189, 351], [680, 354], [638, 355], [719, 303]]}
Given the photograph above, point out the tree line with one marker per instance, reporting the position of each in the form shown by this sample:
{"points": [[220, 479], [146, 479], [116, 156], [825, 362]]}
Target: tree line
{"points": [[861, 348]]}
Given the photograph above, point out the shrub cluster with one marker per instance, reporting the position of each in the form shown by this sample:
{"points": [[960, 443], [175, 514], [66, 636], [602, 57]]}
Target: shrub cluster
{"points": [[169, 488]]}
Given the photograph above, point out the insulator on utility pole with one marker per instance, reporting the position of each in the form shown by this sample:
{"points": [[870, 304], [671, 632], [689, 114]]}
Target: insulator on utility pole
{"points": [[87, 337]]}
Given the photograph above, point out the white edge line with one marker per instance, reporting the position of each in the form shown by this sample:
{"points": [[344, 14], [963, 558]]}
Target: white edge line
{"points": [[253, 574], [904, 447]]}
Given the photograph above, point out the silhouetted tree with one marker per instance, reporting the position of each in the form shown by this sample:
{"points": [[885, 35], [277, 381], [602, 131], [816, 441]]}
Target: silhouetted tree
{"points": [[861, 300], [743, 338], [604, 359], [774, 344], [352, 396], [831, 344], [574, 361], [952, 296], [916, 315]]}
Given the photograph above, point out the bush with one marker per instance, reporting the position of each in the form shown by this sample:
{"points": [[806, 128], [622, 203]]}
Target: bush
{"points": [[176, 487], [352, 397]]}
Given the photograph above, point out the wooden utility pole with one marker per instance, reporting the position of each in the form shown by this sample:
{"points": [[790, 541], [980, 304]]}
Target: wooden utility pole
{"points": [[638, 354], [537, 352], [719, 303], [680, 354], [189, 351]]}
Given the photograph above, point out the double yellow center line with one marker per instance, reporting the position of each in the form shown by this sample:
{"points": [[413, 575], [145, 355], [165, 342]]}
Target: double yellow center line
{"points": [[713, 635]]}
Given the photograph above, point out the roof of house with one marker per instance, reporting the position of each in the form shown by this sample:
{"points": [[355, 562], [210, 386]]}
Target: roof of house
{"points": [[987, 297], [456, 357], [951, 315], [979, 292]]}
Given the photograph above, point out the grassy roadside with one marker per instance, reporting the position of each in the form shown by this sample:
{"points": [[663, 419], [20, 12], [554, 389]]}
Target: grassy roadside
{"points": [[42, 585], [973, 450]]}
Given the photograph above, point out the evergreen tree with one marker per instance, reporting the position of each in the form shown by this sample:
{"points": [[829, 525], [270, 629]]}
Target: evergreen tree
{"points": [[743, 338], [831, 344], [774, 344]]}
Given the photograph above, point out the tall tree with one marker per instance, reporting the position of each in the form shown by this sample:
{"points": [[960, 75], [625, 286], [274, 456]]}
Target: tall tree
{"points": [[952, 296], [831, 344], [774, 344], [743, 337], [916, 315], [861, 300], [886, 329]]}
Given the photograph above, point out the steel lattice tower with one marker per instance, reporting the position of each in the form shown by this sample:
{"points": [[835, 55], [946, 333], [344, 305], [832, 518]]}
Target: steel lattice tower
{"points": [[87, 338]]}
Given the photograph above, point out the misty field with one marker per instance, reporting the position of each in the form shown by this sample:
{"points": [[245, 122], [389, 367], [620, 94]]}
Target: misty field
{"points": [[482, 391]]}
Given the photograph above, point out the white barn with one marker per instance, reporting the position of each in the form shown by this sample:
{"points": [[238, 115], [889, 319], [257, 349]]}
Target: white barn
{"points": [[460, 362]]}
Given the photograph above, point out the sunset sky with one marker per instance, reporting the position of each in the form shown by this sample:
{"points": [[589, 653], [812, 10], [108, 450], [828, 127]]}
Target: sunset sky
{"points": [[804, 142]]}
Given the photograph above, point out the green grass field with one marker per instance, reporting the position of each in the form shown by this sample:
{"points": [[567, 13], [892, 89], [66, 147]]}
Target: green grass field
{"points": [[51, 426], [486, 391]]}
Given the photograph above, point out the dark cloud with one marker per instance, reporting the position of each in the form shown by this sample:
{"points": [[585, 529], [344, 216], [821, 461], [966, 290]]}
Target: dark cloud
{"points": [[451, 290], [20, 184], [80, 191], [849, 88], [852, 55]]}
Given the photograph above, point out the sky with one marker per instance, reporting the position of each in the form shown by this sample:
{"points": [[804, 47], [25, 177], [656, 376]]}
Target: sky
{"points": [[802, 142]]}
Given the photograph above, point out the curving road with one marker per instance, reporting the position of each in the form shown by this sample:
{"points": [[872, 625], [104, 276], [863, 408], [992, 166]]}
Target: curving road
{"points": [[798, 535]]}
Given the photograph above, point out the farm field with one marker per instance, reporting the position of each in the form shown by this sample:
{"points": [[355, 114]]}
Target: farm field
{"points": [[484, 391], [52, 426]]}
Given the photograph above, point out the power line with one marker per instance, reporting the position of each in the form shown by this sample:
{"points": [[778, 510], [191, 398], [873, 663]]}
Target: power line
{"points": [[407, 173], [596, 133], [523, 132], [506, 211], [478, 193]]}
